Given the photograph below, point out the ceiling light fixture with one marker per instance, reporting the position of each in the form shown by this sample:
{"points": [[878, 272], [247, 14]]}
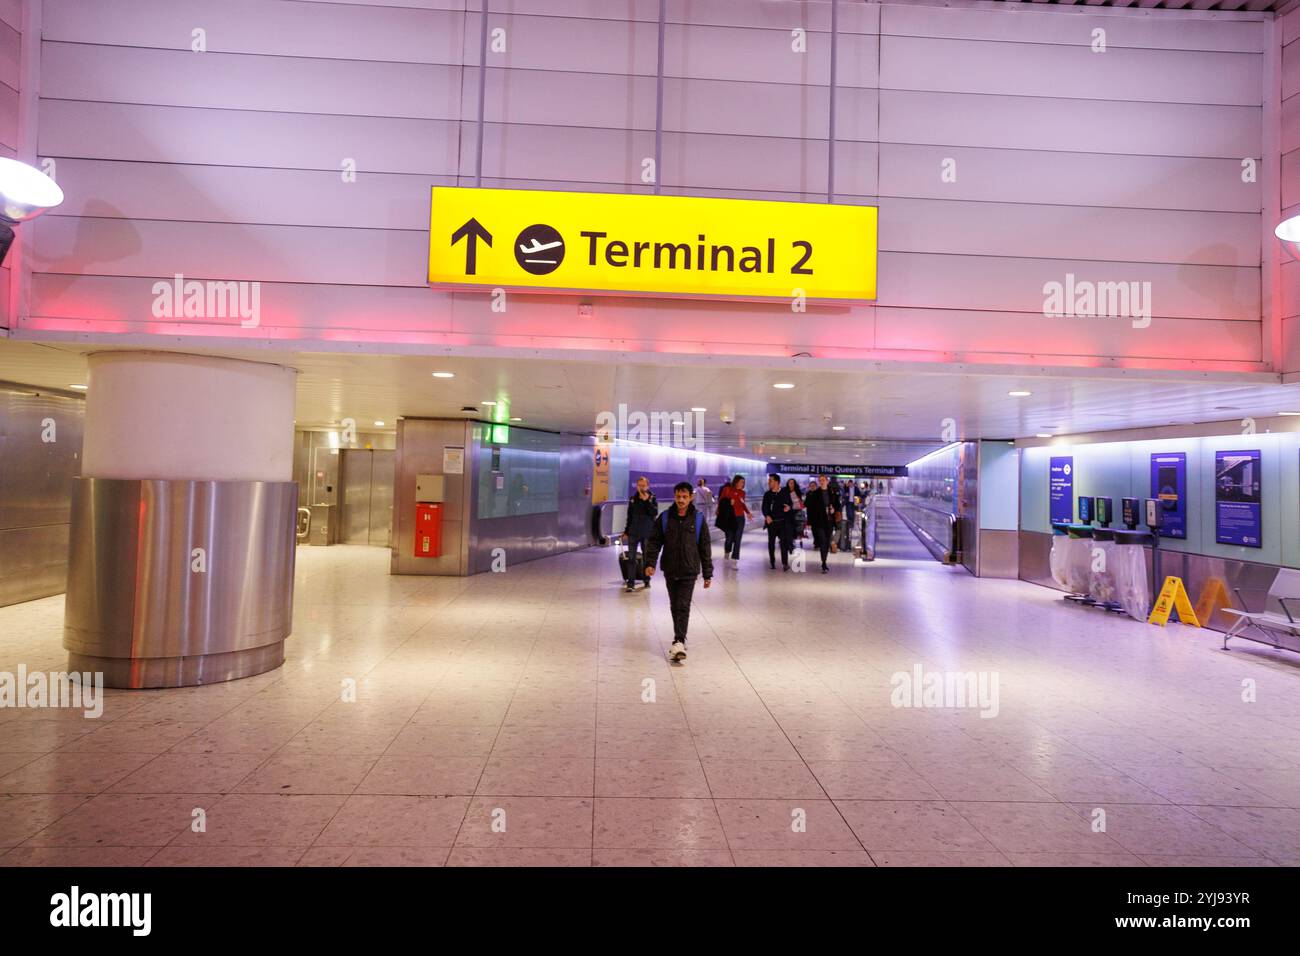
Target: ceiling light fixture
{"points": [[1280, 413], [783, 385], [82, 388], [838, 428], [1044, 435], [1019, 393], [489, 404], [379, 424], [444, 374], [25, 193], [1288, 230]]}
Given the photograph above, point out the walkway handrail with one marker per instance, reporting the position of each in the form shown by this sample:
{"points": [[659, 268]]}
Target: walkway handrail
{"points": [[940, 537]]}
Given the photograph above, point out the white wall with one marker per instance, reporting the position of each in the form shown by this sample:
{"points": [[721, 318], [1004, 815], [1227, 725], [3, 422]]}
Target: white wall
{"points": [[226, 165]]}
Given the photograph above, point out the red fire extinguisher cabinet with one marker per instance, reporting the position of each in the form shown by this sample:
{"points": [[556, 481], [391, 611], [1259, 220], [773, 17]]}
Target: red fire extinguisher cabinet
{"points": [[428, 530]]}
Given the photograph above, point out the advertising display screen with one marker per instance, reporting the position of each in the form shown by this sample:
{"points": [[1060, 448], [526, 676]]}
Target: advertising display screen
{"points": [[1237, 498], [1169, 487], [1060, 489]]}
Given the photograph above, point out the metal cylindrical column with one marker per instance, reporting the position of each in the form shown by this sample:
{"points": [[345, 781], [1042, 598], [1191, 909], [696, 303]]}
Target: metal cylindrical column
{"points": [[183, 522]]}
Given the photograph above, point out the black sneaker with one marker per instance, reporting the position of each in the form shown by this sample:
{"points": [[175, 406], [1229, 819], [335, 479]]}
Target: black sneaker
{"points": [[631, 586]]}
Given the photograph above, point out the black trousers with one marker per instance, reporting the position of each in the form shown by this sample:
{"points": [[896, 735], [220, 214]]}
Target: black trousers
{"points": [[679, 599], [822, 539], [736, 533], [782, 532]]}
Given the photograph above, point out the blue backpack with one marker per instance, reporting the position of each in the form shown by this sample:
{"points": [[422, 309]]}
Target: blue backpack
{"points": [[699, 523]]}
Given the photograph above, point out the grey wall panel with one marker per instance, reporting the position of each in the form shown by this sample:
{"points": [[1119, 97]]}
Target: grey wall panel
{"points": [[10, 56], [297, 309], [75, 71], [552, 98], [11, 13], [243, 138], [261, 26], [1073, 27], [1030, 334], [1016, 285], [35, 474], [766, 56], [1069, 232], [722, 162], [560, 155], [999, 553], [33, 563], [1047, 121], [36, 478], [9, 117], [383, 473], [773, 14], [1160, 76], [1067, 179], [233, 194], [220, 251]]}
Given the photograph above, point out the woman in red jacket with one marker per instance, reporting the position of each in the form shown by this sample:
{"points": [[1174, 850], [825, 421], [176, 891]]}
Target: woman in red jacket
{"points": [[742, 514]]}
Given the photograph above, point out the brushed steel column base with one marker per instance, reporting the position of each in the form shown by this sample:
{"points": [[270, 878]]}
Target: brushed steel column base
{"points": [[153, 672]]}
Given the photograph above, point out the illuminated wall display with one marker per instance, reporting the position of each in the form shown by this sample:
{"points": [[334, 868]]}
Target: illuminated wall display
{"points": [[673, 245], [1237, 498], [1168, 484]]}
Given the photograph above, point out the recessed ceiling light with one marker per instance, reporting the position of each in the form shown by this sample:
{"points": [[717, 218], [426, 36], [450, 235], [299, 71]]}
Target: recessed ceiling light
{"points": [[697, 408], [783, 385], [82, 388], [489, 404], [838, 428], [1019, 393], [444, 374], [379, 424], [1280, 413], [1044, 435], [516, 419]]}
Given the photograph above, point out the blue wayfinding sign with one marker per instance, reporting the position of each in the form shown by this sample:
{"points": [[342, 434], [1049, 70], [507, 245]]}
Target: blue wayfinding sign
{"points": [[1060, 488]]}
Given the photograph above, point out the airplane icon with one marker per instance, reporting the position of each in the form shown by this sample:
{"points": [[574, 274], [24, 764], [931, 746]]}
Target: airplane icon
{"points": [[535, 247]]}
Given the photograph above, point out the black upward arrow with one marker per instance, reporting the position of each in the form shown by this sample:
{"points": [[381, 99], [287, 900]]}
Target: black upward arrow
{"points": [[471, 232]]}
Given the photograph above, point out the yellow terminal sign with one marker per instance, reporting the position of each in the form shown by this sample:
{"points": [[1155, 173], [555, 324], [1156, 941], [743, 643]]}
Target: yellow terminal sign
{"points": [[671, 245]]}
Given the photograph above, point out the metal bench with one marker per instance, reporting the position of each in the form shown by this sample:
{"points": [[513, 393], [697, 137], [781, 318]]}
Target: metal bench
{"points": [[1280, 630]]}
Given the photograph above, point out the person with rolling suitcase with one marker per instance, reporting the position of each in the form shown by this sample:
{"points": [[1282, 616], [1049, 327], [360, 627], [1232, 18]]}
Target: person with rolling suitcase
{"points": [[642, 509]]}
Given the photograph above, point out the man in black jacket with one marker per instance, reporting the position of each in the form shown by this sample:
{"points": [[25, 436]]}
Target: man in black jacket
{"points": [[642, 508], [679, 542], [778, 510], [822, 504]]}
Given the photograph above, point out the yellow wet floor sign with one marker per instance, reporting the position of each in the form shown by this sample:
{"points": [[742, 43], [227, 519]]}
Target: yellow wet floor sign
{"points": [[1173, 595]]}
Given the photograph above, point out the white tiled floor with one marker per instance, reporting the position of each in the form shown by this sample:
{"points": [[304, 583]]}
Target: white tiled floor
{"points": [[507, 719]]}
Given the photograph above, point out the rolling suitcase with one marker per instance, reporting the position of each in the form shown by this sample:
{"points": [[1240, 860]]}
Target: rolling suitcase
{"points": [[640, 565]]}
